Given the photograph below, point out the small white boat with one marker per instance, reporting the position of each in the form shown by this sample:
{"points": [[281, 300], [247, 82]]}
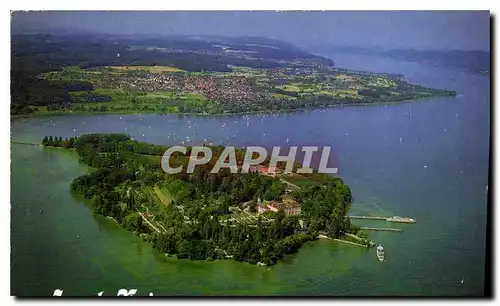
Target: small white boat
{"points": [[380, 253]]}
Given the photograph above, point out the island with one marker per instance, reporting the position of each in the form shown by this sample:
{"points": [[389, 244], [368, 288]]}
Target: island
{"points": [[254, 217], [54, 74]]}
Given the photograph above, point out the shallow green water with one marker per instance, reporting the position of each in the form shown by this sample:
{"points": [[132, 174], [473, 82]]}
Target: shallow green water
{"points": [[380, 151]]}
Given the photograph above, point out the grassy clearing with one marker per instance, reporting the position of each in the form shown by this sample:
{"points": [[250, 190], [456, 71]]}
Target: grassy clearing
{"points": [[193, 97], [151, 194], [162, 94], [282, 96], [164, 195], [300, 180], [111, 92], [346, 92], [291, 88], [328, 93]]}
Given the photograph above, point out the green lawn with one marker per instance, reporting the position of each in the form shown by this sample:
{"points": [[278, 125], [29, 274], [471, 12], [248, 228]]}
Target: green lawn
{"points": [[300, 180], [164, 195]]}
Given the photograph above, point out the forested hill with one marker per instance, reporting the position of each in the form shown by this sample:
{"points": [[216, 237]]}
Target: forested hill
{"points": [[48, 52]]}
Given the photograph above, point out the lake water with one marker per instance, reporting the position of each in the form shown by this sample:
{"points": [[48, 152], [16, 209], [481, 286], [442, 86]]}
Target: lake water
{"points": [[424, 159]]}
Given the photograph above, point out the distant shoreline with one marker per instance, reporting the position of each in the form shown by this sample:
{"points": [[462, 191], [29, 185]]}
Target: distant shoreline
{"points": [[139, 112]]}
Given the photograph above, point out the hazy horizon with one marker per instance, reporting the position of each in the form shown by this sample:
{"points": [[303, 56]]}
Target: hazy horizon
{"points": [[429, 30]]}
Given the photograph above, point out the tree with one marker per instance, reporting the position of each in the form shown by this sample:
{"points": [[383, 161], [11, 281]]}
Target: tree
{"points": [[362, 234], [252, 206], [139, 224]]}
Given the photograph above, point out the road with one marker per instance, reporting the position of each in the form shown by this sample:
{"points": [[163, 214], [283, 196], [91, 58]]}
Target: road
{"points": [[289, 183], [147, 221]]}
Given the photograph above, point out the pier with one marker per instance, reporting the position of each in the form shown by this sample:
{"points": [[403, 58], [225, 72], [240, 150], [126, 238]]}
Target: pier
{"points": [[387, 229], [322, 235], [388, 219], [25, 143], [350, 242], [369, 217]]}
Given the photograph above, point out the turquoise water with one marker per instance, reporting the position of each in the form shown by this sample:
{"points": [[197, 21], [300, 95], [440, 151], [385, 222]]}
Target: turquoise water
{"points": [[424, 159]]}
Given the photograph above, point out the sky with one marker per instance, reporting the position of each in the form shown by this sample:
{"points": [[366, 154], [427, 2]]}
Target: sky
{"points": [[437, 30]]}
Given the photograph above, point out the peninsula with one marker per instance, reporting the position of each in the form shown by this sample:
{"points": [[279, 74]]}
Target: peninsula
{"points": [[188, 75]]}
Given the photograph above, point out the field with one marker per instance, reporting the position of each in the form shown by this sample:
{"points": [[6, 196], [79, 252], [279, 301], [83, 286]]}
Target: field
{"points": [[152, 69], [305, 180], [164, 195], [300, 180]]}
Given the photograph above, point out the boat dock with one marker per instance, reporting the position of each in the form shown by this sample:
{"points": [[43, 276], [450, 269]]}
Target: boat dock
{"points": [[387, 229], [350, 242], [25, 143], [388, 219], [368, 217]]}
